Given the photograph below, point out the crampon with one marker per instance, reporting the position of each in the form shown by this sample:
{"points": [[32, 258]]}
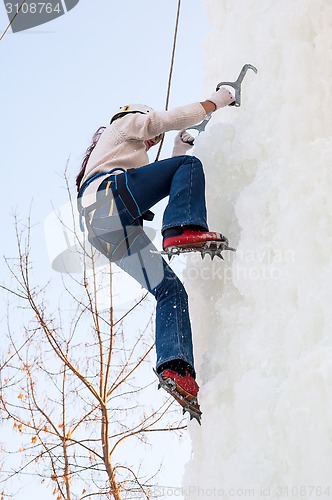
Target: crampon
{"points": [[188, 402], [212, 248]]}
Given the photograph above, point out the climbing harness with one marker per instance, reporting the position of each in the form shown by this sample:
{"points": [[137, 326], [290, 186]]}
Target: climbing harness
{"points": [[237, 102], [119, 188]]}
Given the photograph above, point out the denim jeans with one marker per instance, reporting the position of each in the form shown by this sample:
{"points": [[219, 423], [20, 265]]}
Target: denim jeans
{"points": [[118, 233]]}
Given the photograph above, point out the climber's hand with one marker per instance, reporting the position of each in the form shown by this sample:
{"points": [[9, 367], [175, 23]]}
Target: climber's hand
{"points": [[182, 143], [222, 97]]}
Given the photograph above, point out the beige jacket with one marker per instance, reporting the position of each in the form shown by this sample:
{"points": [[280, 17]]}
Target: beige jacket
{"points": [[121, 145]]}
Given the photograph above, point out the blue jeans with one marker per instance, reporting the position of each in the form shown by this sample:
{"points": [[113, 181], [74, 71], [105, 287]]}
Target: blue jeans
{"points": [[116, 230]]}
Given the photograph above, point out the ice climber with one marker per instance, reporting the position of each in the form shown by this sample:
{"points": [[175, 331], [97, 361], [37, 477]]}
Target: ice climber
{"points": [[117, 186]]}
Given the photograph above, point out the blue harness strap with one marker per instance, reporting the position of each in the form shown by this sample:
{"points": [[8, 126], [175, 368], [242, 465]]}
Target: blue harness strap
{"points": [[121, 189], [93, 178], [83, 211]]}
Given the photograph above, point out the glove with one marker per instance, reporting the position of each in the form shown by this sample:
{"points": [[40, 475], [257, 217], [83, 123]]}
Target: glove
{"points": [[222, 97], [182, 143]]}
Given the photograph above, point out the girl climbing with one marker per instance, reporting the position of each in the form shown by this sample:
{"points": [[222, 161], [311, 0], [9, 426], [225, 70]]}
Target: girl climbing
{"points": [[116, 189]]}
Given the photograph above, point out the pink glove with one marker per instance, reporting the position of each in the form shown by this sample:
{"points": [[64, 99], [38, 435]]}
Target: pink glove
{"points": [[182, 143], [222, 97]]}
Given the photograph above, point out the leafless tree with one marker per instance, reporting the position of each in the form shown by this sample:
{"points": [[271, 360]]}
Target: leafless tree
{"points": [[71, 384]]}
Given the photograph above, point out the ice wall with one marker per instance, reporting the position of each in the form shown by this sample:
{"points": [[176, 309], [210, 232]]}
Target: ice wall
{"points": [[262, 320]]}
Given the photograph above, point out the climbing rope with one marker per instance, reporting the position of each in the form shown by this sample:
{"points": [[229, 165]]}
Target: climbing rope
{"points": [[170, 71], [11, 22]]}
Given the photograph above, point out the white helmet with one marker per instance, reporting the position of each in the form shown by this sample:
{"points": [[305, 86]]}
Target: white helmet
{"points": [[131, 108]]}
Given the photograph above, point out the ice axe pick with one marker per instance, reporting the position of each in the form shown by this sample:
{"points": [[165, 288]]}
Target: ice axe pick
{"points": [[237, 102], [237, 84]]}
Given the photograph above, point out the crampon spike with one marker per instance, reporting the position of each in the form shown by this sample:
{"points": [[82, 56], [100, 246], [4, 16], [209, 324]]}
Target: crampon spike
{"points": [[212, 248]]}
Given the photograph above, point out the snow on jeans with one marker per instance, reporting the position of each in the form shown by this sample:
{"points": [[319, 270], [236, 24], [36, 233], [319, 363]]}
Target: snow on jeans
{"points": [[118, 233]]}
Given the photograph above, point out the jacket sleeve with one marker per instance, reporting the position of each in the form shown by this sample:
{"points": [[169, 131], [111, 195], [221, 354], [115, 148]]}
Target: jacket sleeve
{"points": [[146, 126]]}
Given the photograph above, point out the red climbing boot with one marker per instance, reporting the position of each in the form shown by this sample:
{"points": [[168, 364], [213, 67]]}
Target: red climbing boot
{"points": [[195, 239], [184, 390]]}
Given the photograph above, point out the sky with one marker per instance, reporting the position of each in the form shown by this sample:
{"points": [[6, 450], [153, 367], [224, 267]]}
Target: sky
{"points": [[62, 80]]}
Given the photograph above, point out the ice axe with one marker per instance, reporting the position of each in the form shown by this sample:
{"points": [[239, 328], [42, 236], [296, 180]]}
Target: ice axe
{"points": [[237, 84], [237, 102]]}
